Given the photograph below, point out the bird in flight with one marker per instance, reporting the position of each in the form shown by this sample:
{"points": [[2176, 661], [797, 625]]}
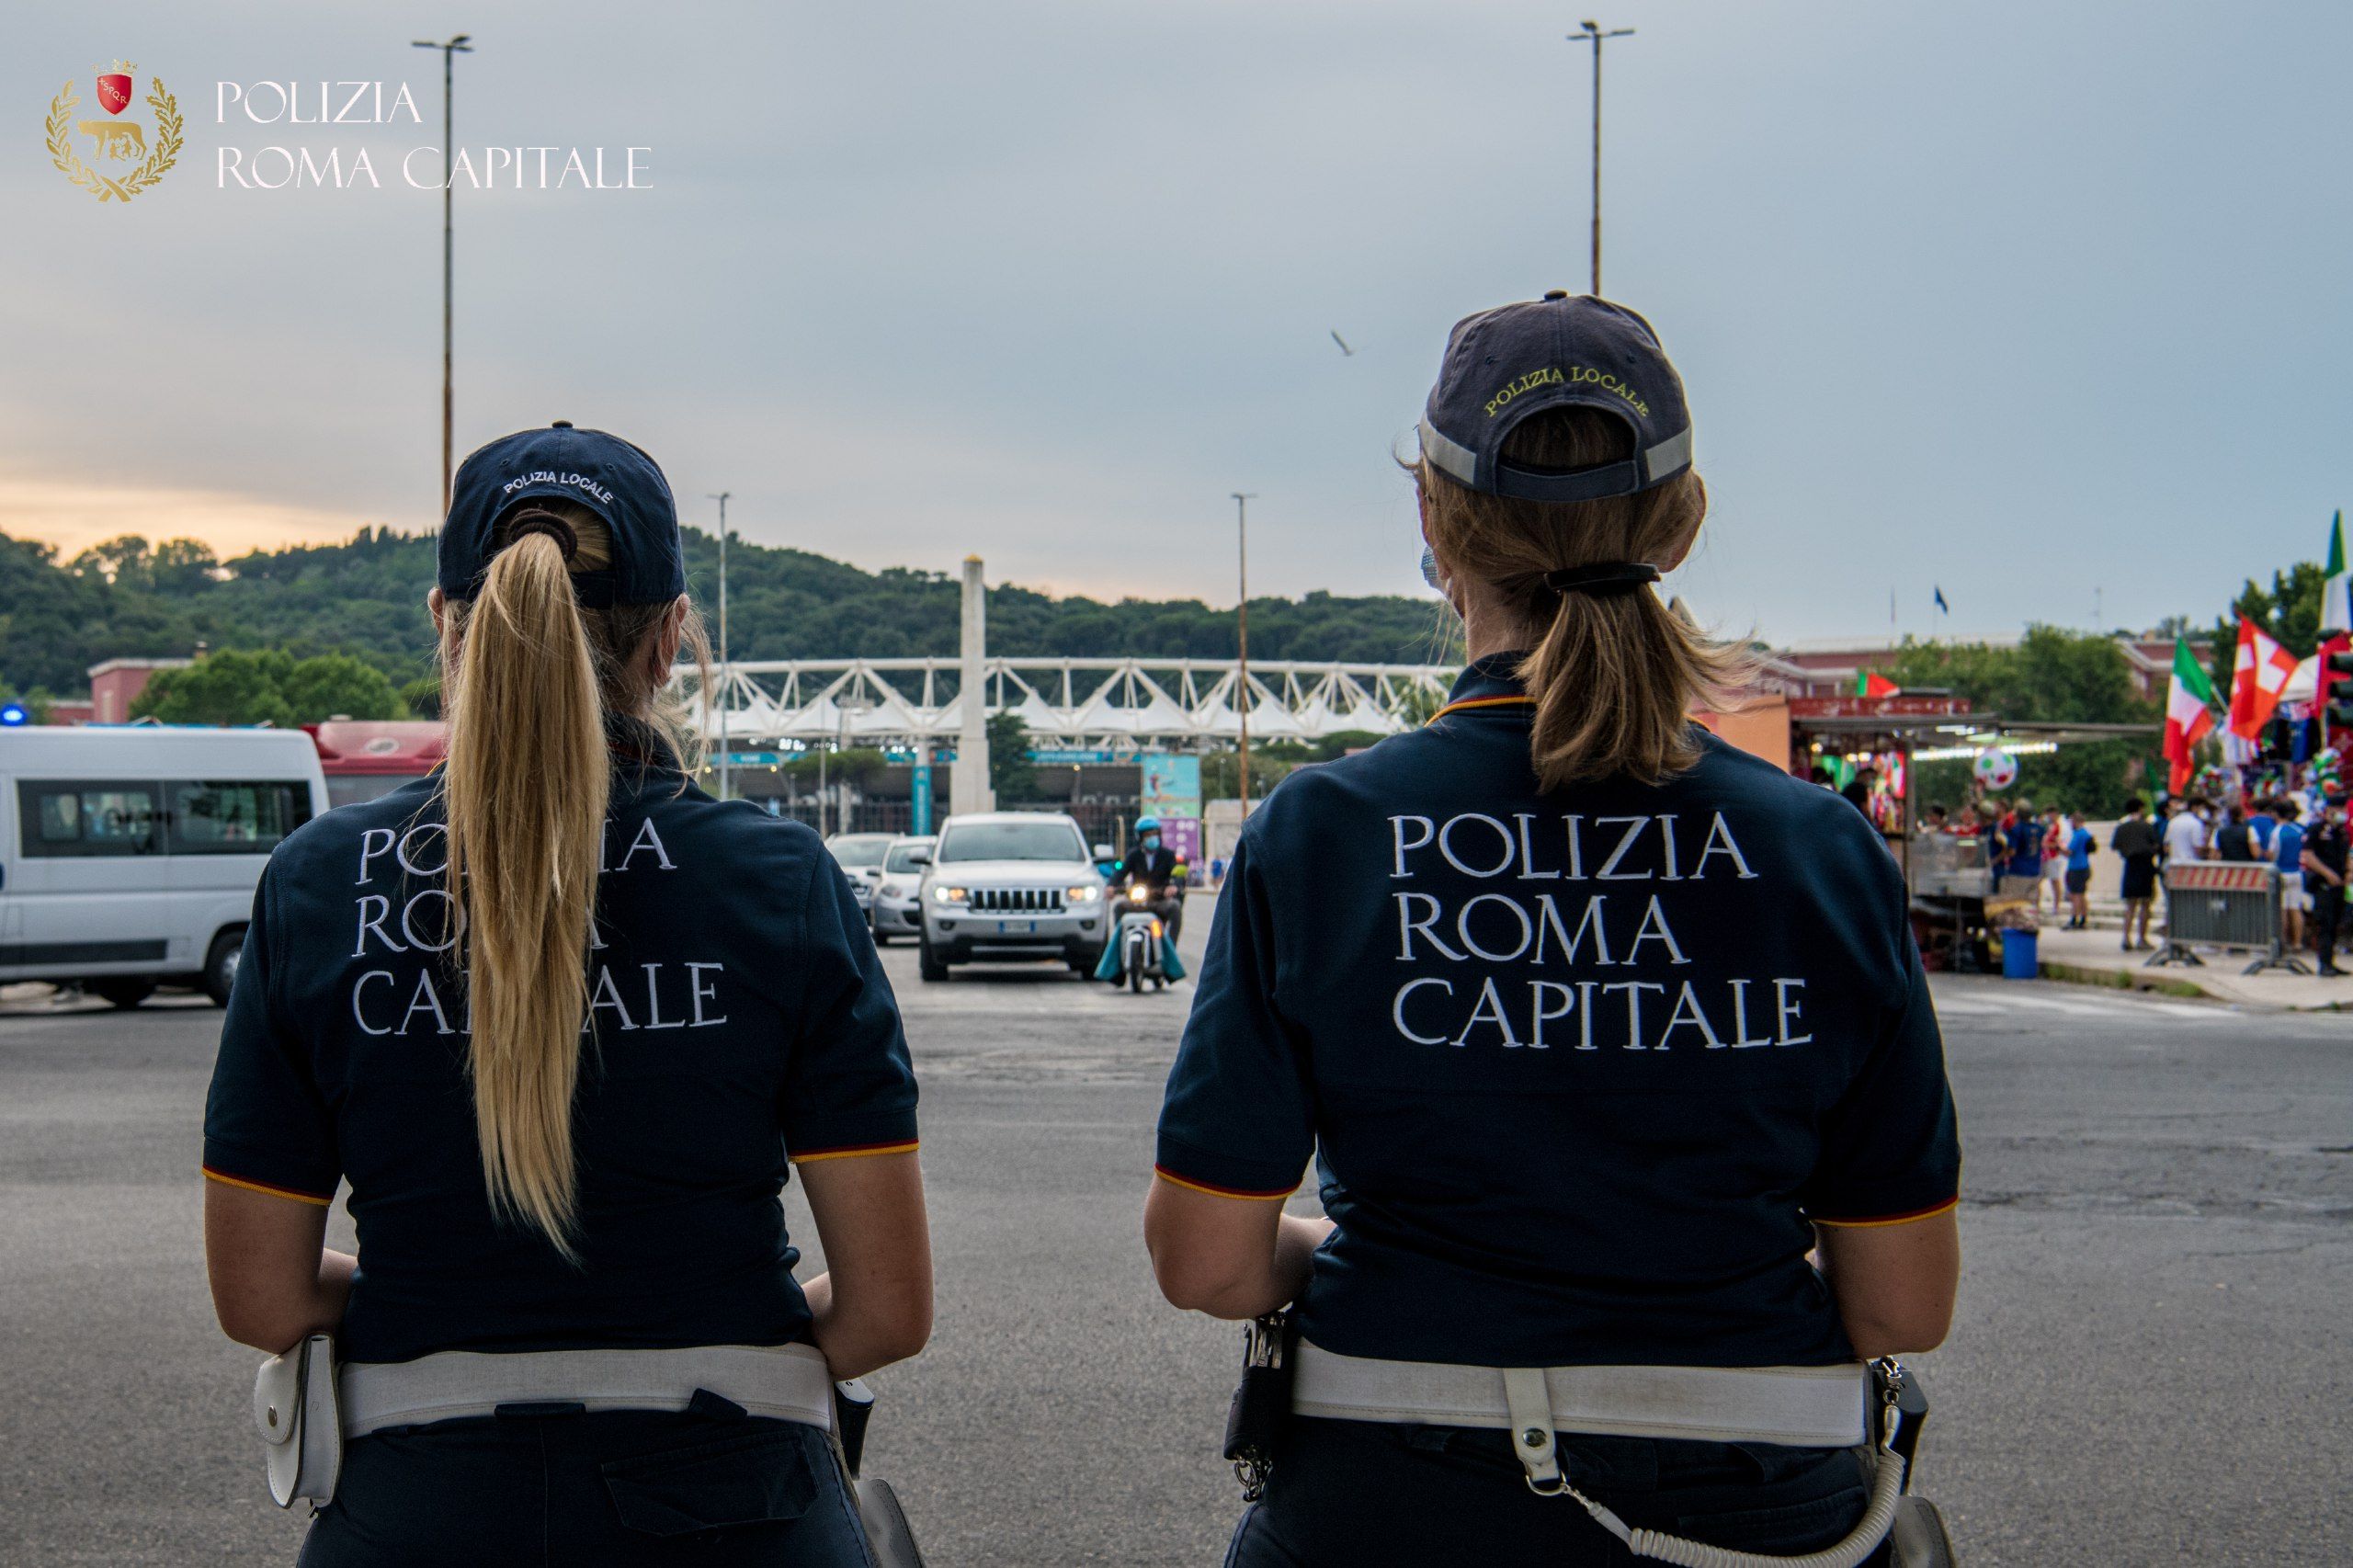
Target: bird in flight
{"points": [[1343, 344]]}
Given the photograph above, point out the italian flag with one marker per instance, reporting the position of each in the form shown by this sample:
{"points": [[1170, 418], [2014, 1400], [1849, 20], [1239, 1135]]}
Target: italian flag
{"points": [[2336, 589], [2189, 702], [2257, 678], [1871, 683]]}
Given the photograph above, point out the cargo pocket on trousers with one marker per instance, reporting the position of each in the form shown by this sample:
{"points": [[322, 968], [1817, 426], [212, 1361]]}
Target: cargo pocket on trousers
{"points": [[757, 1478]]}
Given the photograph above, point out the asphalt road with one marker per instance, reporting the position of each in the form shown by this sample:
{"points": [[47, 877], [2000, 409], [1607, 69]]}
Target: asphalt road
{"points": [[2151, 1362]]}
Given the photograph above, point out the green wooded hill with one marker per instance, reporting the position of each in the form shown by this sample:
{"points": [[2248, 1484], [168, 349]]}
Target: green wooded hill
{"points": [[365, 597]]}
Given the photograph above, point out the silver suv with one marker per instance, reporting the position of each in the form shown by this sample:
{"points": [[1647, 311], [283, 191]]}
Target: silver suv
{"points": [[1012, 885]]}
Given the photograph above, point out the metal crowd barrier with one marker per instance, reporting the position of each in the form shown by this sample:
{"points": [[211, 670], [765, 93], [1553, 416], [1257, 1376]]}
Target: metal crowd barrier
{"points": [[2225, 903]]}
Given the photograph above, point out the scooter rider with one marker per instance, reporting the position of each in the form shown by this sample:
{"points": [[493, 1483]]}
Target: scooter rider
{"points": [[1152, 866], [561, 1020], [1594, 1026]]}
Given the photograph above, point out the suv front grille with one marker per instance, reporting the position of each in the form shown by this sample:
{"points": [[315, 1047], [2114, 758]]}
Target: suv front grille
{"points": [[1018, 900]]}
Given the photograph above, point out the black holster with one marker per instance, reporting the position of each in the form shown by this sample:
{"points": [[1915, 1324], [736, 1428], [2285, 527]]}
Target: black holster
{"points": [[1261, 1406]]}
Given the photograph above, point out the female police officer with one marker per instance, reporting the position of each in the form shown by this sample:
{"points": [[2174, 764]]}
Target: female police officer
{"points": [[559, 1019], [1596, 1028]]}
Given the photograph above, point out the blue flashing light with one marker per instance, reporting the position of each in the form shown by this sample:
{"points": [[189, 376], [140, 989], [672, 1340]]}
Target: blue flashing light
{"points": [[13, 713]]}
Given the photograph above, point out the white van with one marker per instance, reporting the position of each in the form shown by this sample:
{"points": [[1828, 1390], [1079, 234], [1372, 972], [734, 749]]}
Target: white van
{"points": [[128, 854]]}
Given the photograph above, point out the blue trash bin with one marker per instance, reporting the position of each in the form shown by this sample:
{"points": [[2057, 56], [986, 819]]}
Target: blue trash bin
{"points": [[2020, 960]]}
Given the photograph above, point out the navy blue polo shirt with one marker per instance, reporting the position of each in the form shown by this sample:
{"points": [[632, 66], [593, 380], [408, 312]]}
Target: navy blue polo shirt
{"points": [[738, 1020], [1580, 1071], [2025, 848]]}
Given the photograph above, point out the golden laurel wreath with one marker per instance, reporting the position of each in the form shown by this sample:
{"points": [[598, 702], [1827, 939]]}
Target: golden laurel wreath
{"points": [[107, 187]]}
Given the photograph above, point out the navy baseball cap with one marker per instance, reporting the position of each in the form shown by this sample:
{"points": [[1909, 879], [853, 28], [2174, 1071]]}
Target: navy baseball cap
{"points": [[611, 477], [1562, 351]]}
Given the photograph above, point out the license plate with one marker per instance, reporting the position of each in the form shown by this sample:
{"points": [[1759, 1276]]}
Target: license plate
{"points": [[1016, 928]]}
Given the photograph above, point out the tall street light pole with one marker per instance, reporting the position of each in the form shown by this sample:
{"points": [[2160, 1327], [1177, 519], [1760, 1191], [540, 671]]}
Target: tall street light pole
{"points": [[1242, 678], [1595, 36], [726, 670], [450, 51]]}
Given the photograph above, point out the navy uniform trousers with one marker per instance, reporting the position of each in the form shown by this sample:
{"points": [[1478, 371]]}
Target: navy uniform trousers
{"points": [[628, 1489], [1366, 1494]]}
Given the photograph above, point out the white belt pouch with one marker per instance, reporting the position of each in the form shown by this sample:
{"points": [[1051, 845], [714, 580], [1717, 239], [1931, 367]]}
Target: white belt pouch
{"points": [[302, 1426]]}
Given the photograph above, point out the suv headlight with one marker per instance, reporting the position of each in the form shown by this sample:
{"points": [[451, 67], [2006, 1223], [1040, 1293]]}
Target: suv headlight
{"points": [[891, 889], [1086, 895], [949, 895]]}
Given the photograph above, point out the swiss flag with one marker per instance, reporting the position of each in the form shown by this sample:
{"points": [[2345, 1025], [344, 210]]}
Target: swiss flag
{"points": [[2256, 680]]}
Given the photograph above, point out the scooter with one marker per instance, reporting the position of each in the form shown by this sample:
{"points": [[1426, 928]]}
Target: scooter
{"points": [[1140, 941]]}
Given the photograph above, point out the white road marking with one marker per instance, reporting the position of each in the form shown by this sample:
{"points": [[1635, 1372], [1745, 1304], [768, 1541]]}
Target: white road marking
{"points": [[1986, 1003]]}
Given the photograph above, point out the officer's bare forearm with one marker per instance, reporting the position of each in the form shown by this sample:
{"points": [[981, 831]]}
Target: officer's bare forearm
{"points": [[273, 1280], [873, 1305], [856, 1343], [1296, 1239], [1227, 1258]]}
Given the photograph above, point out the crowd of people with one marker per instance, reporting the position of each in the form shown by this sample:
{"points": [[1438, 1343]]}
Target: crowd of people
{"points": [[2029, 851], [2302, 833], [2305, 838]]}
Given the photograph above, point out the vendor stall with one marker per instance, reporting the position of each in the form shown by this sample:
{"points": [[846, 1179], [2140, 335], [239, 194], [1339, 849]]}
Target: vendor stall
{"points": [[1868, 749]]}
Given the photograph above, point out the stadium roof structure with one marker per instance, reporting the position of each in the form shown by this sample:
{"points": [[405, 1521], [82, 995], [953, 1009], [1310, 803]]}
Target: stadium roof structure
{"points": [[1095, 703]]}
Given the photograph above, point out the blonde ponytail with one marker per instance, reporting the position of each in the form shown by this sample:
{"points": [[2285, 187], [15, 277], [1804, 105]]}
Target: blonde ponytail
{"points": [[525, 789], [531, 681], [1617, 676]]}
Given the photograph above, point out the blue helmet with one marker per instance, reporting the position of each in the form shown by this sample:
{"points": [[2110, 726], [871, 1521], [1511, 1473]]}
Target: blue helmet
{"points": [[1147, 825]]}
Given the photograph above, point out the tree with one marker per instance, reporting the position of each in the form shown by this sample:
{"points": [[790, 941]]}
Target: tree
{"points": [[1271, 763], [124, 561], [857, 766], [422, 697], [37, 702], [2050, 675], [337, 684], [1011, 773], [232, 687], [365, 596], [238, 685], [2288, 611], [1418, 705], [183, 566]]}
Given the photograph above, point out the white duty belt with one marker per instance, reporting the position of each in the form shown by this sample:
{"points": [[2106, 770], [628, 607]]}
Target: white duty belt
{"points": [[1813, 1407], [786, 1382], [1810, 1407]]}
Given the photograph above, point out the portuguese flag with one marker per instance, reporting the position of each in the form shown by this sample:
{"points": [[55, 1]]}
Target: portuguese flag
{"points": [[2189, 713], [1871, 683]]}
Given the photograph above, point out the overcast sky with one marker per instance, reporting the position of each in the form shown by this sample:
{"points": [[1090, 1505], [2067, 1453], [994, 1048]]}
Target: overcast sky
{"points": [[2035, 302]]}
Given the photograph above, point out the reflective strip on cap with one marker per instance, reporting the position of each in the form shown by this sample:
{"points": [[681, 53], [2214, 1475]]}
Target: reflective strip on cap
{"points": [[1658, 464], [1453, 459], [1669, 458]]}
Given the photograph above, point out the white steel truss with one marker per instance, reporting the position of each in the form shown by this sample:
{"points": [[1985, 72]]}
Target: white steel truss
{"points": [[1111, 704]]}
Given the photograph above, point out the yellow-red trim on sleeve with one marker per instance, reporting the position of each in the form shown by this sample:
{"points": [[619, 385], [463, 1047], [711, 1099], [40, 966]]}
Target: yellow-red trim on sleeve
{"points": [[856, 1150], [227, 1180], [1482, 702], [1173, 1179], [1946, 1207]]}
